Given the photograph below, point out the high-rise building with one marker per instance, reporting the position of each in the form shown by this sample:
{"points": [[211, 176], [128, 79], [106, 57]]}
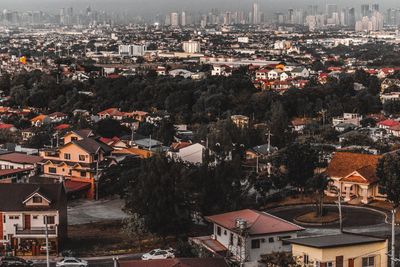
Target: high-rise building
{"points": [[365, 11], [191, 47], [174, 19], [331, 9], [256, 15], [183, 19], [375, 7]]}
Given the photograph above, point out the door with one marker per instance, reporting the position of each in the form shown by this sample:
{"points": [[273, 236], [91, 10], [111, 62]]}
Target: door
{"points": [[339, 261], [351, 262], [27, 222]]}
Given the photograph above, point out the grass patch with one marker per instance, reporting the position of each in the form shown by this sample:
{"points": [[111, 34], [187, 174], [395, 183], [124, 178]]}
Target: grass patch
{"points": [[312, 217]]}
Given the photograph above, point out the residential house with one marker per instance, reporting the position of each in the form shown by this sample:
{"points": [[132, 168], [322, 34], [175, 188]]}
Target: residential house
{"points": [[387, 124], [27, 134], [131, 151], [40, 120], [299, 124], [240, 121], [244, 236], [262, 74], [353, 118], [24, 209], [340, 250], [191, 153], [115, 142], [300, 72], [8, 127], [221, 71], [15, 160], [354, 175], [76, 162], [111, 113], [389, 83], [57, 117], [14, 176]]}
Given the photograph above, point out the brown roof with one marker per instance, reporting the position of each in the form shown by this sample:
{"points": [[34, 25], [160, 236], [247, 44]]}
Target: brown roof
{"points": [[258, 222], [344, 163], [184, 262], [20, 158], [12, 196]]}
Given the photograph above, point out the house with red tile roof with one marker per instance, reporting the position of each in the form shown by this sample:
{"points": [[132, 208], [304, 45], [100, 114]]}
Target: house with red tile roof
{"points": [[245, 235], [386, 124], [354, 175]]}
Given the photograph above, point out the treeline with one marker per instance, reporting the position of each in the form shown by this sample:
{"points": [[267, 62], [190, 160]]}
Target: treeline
{"points": [[192, 101]]}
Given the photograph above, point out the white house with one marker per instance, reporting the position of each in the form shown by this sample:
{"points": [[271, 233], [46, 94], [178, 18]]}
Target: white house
{"points": [[192, 154], [300, 72], [245, 235], [24, 209]]}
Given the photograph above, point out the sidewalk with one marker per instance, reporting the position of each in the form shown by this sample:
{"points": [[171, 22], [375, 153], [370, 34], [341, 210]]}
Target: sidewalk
{"points": [[41, 259]]}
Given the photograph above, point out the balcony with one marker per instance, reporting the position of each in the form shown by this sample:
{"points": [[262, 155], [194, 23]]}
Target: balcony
{"points": [[35, 231]]}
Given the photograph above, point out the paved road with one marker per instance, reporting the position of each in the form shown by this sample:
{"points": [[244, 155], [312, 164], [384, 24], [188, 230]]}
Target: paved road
{"points": [[89, 211], [100, 262]]}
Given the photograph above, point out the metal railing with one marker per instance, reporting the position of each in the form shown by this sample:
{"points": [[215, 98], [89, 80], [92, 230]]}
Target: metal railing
{"points": [[35, 230]]}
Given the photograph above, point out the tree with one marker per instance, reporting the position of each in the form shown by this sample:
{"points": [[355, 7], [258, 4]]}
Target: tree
{"points": [[157, 195], [110, 128], [279, 259], [318, 183], [278, 124], [300, 161], [135, 227], [388, 172]]}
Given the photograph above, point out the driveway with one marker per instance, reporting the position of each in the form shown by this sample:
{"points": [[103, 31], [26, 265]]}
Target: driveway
{"points": [[89, 211]]}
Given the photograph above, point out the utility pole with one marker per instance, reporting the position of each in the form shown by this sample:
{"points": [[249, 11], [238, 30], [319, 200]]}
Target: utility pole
{"points": [[340, 209], [323, 113], [392, 257], [269, 142], [97, 176], [47, 242]]}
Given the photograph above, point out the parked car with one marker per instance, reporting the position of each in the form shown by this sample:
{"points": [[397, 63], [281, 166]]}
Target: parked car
{"points": [[72, 262], [158, 254], [10, 261]]}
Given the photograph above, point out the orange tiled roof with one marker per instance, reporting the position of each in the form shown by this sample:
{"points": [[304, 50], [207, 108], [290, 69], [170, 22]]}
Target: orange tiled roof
{"points": [[345, 163]]}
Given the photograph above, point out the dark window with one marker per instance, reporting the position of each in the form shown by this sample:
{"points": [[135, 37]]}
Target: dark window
{"points": [[50, 219], [74, 138], [37, 199], [218, 230], [271, 240], [225, 233], [83, 174], [81, 157], [239, 242], [381, 190], [67, 156], [368, 262], [52, 170], [255, 243], [231, 239]]}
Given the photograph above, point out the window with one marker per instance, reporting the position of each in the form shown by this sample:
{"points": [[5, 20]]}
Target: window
{"points": [[52, 170], [74, 138], [231, 239], [329, 264], [35, 217], [218, 230], [67, 156], [368, 262], [255, 243], [4, 219], [13, 217], [271, 240], [239, 241], [81, 157], [225, 233], [37, 199], [83, 174], [50, 219], [306, 260], [381, 190]]}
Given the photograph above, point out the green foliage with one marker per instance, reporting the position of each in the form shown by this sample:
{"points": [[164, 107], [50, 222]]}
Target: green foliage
{"points": [[110, 128], [388, 172], [279, 259]]}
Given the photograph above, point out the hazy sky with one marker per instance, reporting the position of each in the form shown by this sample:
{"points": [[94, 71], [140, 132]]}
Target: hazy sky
{"points": [[161, 6]]}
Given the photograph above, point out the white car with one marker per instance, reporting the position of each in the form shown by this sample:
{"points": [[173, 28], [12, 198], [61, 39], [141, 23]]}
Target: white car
{"points": [[156, 254], [72, 262]]}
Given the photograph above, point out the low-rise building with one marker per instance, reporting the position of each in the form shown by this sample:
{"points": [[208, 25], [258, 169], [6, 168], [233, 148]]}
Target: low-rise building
{"points": [[340, 250], [24, 209], [244, 236]]}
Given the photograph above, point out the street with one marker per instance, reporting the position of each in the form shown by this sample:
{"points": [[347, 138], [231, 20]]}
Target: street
{"points": [[100, 262]]}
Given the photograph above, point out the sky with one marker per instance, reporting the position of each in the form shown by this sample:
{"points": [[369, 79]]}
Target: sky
{"points": [[163, 6]]}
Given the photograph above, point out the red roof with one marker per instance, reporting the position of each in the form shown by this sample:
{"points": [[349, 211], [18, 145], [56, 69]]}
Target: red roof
{"points": [[389, 123], [111, 112], [62, 127], [13, 171], [257, 222], [4, 126], [75, 186]]}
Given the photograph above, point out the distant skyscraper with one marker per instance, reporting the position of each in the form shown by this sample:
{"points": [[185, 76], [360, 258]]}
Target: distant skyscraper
{"points": [[183, 18], [331, 9], [365, 12], [375, 7], [174, 19], [256, 15]]}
